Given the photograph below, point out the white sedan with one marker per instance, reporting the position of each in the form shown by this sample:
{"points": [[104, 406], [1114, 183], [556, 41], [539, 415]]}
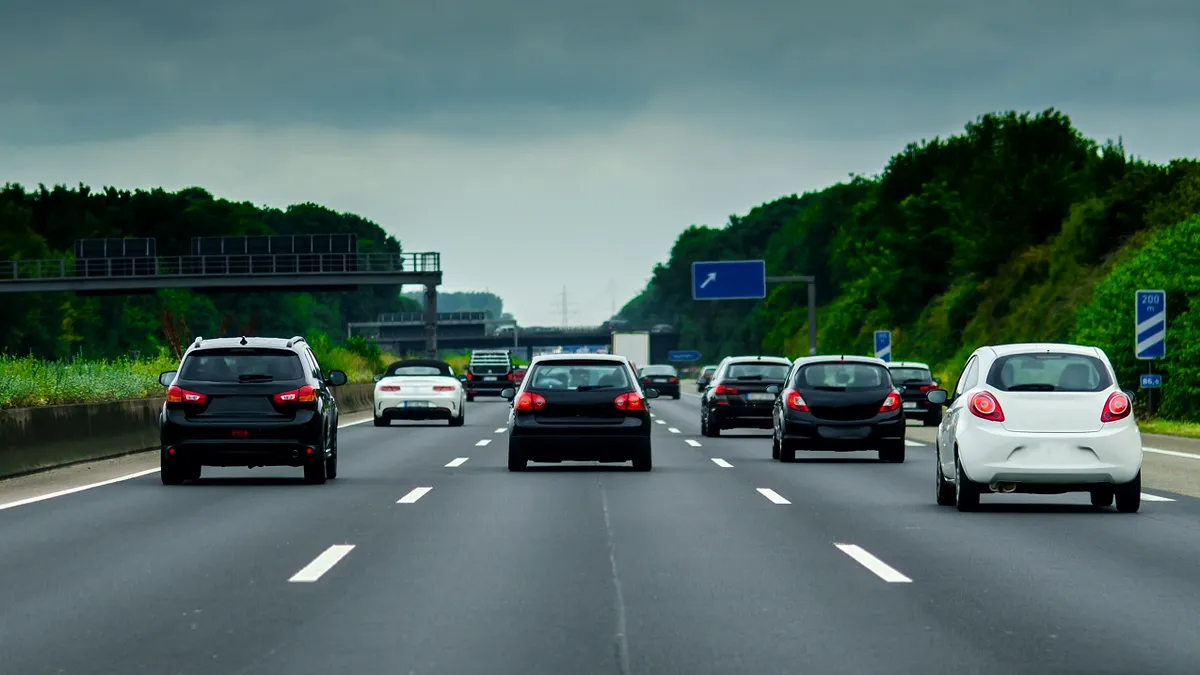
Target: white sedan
{"points": [[419, 390], [1041, 419]]}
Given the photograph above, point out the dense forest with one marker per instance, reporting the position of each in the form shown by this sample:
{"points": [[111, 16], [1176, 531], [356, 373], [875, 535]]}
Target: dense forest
{"points": [[1018, 229], [44, 223]]}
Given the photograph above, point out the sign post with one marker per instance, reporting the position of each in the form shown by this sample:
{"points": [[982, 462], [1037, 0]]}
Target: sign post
{"points": [[747, 280], [1150, 336], [883, 345]]}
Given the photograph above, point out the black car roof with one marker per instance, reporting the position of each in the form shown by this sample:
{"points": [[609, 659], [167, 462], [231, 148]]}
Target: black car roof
{"points": [[426, 363]]}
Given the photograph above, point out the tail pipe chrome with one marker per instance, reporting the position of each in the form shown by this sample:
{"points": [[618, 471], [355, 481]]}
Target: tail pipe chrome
{"points": [[1004, 487]]}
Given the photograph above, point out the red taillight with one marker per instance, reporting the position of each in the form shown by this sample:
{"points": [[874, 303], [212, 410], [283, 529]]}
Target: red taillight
{"points": [[795, 401], [176, 394], [629, 401], [305, 394], [985, 406], [389, 387], [890, 403], [722, 390], [442, 387], [928, 387], [470, 377], [528, 401], [673, 380], [510, 376], [1117, 407]]}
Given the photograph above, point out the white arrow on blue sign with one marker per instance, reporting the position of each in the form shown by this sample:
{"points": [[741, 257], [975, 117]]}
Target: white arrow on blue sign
{"points": [[729, 280], [883, 345], [1150, 313]]}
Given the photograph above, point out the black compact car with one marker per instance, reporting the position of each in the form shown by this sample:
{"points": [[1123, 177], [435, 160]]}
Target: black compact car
{"points": [[915, 381], [249, 402], [705, 377], [663, 379], [579, 408], [489, 372], [838, 403], [738, 395]]}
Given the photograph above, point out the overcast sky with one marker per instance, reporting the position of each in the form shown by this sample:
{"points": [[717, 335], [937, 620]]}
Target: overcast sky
{"points": [[544, 144]]}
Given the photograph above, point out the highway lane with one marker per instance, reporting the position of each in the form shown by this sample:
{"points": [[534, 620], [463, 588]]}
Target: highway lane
{"points": [[691, 568]]}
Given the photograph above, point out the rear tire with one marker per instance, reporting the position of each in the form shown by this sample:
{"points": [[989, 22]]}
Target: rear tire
{"points": [[894, 453], [381, 422], [314, 472], [517, 461], [331, 461], [643, 460], [675, 396], [775, 454], [170, 471], [460, 420], [945, 489], [966, 491], [1129, 495], [194, 470], [932, 421], [470, 398], [1102, 498]]}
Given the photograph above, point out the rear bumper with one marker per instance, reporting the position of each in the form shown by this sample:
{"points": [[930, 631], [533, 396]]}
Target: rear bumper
{"points": [[922, 408], [243, 452], [417, 408], [804, 432], [580, 447], [990, 454], [663, 388], [481, 388], [743, 415]]}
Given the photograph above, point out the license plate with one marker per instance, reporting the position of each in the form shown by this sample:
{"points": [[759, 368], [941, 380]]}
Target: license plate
{"points": [[760, 397], [908, 405], [490, 379], [416, 404]]}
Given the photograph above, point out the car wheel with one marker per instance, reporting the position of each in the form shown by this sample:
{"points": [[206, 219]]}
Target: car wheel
{"points": [[381, 422], [460, 420], [712, 427], [675, 396], [775, 445], [932, 421], [894, 453], [1129, 495], [331, 461], [314, 472], [945, 489], [194, 471], [966, 491], [517, 461], [644, 459], [1102, 497], [470, 398], [170, 471]]}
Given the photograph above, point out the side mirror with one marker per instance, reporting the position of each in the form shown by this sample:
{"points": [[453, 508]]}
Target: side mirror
{"points": [[1130, 394], [168, 377], [937, 397], [378, 378], [651, 393], [773, 389], [336, 378], [508, 394]]}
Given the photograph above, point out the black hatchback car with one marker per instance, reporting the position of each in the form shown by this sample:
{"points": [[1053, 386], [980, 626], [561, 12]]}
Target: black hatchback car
{"points": [[915, 381], [579, 408], [249, 402], [663, 379], [838, 403], [738, 395]]}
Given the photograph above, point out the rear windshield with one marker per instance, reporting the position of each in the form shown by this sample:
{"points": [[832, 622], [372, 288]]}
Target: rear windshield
{"points": [[902, 375], [579, 376], [709, 370], [1049, 372], [757, 370], [420, 371], [843, 375], [242, 365], [658, 370]]}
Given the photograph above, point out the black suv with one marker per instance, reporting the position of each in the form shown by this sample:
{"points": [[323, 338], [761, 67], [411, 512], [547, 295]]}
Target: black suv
{"points": [[738, 396], [249, 402], [489, 372], [915, 382]]}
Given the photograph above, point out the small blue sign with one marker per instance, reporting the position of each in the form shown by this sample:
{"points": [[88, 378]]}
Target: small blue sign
{"points": [[1150, 313], [684, 356], [1151, 381], [729, 280], [883, 345]]}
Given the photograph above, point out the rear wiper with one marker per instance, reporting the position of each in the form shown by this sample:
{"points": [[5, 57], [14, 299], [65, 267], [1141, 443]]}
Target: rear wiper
{"points": [[255, 377], [1033, 387], [594, 387]]}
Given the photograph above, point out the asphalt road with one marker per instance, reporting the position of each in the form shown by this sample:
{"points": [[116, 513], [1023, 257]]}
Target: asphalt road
{"points": [[427, 556]]}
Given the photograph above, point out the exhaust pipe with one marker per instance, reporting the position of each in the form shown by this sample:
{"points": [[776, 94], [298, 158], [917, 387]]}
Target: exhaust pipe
{"points": [[1006, 488]]}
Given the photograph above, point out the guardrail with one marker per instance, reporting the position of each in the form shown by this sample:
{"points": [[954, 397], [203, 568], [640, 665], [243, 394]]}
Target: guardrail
{"points": [[64, 269]]}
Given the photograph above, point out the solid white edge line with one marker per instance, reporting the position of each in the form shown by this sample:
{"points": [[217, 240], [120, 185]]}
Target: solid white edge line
{"points": [[913, 444], [774, 496], [1172, 453], [694, 444], [673, 430], [482, 443], [81, 488], [875, 565], [414, 495], [321, 564], [457, 461], [1146, 496], [722, 463], [351, 424]]}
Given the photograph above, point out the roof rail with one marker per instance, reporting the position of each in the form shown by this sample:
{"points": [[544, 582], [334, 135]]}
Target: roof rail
{"points": [[294, 340]]}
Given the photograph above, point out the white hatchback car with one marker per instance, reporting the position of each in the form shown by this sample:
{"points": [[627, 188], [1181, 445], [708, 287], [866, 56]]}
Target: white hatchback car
{"points": [[1041, 419]]}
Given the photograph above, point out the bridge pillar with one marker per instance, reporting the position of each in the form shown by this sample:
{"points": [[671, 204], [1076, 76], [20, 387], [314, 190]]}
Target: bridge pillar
{"points": [[431, 321]]}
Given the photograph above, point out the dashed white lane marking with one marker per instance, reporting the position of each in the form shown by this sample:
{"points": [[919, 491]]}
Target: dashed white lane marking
{"points": [[482, 443], [501, 430], [413, 496], [81, 488], [321, 564], [457, 461], [653, 415], [913, 444], [694, 444], [1146, 496], [877, 566], [1173, 453], [659, 422], [722, 463], [673, 430], [773, 496]]}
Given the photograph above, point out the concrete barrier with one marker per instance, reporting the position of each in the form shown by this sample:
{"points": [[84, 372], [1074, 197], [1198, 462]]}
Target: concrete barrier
{"points": [[45, 437]]}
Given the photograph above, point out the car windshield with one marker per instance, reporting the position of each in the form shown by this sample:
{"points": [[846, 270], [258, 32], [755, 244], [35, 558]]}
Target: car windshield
{"points": [[1049, 372], [906, 374], [658, 370], [242, 365], [579, 376], [842, 375], [757, 370]]}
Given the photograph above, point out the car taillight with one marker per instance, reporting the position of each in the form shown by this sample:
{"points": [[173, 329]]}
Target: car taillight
{"points": [[1117, 407], [795, 401], [470, 377], [528, 401], [891, 402], [305, 394], [442, 387], [985, 406], [928, 387], [510, 376], [673, 380], [390, 387], [723, 390], [629, 401], [177, 394]]}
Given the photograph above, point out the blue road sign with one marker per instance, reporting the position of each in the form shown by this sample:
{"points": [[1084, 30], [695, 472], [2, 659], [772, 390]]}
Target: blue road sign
{"points": [[683, 356], [729, 280], [1150, 336], [1151, 381], [883, 345]]}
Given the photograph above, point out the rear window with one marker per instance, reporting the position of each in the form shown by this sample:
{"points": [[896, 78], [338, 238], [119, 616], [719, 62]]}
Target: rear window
{"points": [[419, 371], [579, 376], [843, 375], [902, 375], [242, 365], [658, 370], [709, 371], [757, 370], [1049, 372]]}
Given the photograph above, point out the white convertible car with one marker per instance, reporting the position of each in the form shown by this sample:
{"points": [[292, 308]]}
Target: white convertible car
{"points": [[419, 390]]}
